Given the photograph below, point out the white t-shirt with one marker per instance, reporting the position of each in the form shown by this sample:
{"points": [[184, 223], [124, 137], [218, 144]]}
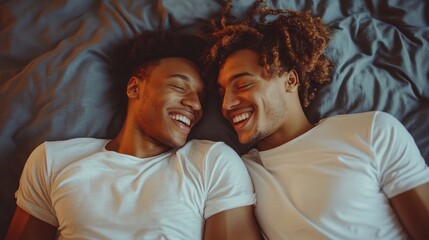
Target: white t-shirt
{"points": [[91, 193], [335, 181]]}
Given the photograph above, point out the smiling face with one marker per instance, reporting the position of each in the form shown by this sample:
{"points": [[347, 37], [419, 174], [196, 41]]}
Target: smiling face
{"points": [[258, 108], [166, 105]]}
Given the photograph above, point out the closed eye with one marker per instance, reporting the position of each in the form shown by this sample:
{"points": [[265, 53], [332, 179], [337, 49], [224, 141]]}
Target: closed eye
{"points": [[244, 87], [179, 89]]}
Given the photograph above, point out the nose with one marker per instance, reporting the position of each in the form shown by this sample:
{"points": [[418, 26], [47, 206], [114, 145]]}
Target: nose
{"points": [[192, 100], [230, 99]]}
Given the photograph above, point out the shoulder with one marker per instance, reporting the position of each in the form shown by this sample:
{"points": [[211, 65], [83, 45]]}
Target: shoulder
{"points": [[344, 126], [77, 143], [51, 157], [386, 126], [353, 117], [57, 154], [209, 152], [384, 118], [369, 116], [206, 147], [359, 121]]}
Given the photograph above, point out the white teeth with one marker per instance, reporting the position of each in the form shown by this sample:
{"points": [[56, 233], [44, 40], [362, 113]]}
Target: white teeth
{"points": [[181, 118], [241, 117]]}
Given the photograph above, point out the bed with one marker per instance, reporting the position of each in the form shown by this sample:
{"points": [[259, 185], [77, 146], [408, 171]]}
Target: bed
{"points": [[60, 68]]}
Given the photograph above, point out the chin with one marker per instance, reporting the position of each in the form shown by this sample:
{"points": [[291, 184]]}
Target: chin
{"points": [[175, 143], [244, 139], [248, 139], [172, 142]]}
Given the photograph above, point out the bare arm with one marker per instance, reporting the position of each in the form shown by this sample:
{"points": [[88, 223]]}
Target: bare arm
{"points": [[237, 223], [25, 226], [412, 208]]}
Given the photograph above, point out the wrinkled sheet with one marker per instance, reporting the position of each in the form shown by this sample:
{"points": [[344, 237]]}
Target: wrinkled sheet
{"points": [[60, 68]]}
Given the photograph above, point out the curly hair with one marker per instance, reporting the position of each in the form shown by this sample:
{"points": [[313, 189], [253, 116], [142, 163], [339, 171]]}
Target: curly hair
{"points": [[151, 46], [294, 40]]}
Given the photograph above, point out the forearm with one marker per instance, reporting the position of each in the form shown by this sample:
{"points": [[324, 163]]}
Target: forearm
{"points": [[412, 208], [25, 226], [232, 224]]}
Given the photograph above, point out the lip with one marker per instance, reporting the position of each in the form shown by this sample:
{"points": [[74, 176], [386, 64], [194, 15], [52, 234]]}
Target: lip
{"points": [[182, 126], [240, 125]]}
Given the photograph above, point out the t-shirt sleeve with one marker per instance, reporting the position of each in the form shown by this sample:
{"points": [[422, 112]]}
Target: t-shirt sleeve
{"points": [[227, 181], [33, 194], [401, 166]]}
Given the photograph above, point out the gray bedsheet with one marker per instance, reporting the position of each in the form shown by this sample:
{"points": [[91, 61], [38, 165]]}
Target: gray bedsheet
{"points": [[60, 68]]}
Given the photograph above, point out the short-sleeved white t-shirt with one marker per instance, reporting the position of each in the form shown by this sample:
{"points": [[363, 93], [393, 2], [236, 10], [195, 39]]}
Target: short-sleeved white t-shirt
{"points": [[91, 193], [335, 181]]}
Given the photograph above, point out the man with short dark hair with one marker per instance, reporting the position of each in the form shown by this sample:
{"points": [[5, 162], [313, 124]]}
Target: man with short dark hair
{"points": [[147, 182]]}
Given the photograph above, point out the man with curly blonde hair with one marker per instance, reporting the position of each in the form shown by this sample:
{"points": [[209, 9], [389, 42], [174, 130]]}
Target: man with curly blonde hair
{"points": [[358, 176]]}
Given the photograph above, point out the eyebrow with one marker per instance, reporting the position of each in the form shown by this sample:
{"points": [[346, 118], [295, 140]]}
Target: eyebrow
{"points": [[181, 76], [237, 76]]}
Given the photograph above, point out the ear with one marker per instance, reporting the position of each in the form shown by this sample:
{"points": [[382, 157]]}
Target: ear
{"points": [[133, 87], [291, 81]]}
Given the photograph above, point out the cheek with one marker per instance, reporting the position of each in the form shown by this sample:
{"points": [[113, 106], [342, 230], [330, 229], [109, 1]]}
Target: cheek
{"points": [[276, 93], [272, 102], [266, 95]]}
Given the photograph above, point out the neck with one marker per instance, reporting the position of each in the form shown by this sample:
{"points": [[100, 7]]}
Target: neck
{"points": [[293, 127], [132, 142]]}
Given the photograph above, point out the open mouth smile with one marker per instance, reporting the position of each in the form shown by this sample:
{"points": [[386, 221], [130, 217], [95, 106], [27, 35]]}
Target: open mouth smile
{"points": [[240, 118], [181, 119], [239, 121]]}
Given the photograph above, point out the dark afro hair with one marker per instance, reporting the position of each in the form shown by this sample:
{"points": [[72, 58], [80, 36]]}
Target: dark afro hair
{"points": [[151, 46]]}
